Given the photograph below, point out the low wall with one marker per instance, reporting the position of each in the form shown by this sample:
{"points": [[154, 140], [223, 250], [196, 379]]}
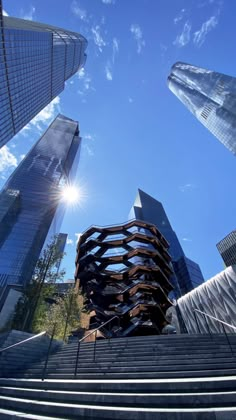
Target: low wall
{"points": [[20, 358]]}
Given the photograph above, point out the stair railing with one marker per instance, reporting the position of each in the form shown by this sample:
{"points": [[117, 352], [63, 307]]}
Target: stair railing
{"points": [[49, 350], [95, 340], [223, 323], [19, 343], [22, 341]]}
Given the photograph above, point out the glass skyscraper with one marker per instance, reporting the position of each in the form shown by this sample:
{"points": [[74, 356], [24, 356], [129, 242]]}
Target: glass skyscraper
{"points": [[31, 200], [210, 96], [227, 249], [35, 61], [187, 273]]}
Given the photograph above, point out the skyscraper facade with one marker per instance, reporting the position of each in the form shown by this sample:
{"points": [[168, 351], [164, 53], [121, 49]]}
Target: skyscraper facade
{"points": [[187, 273], [35, 61], [60, 247], [33, 195], [227, 249], [210, 96]]}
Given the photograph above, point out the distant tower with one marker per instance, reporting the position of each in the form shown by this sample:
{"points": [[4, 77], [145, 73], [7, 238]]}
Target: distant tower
{"points": [[35, 61], [227, 249], [31, 200], [210, 96], [60, 247], [187, 273]]}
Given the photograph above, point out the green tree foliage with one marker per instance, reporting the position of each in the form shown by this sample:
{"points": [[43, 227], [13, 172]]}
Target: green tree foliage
{"points": [[64, 315], [41, 286], [25, 304]]}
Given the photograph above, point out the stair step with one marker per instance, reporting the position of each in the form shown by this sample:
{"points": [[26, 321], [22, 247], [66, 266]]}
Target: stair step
{"points": [[161, 346], [130, 375], [149, 352], [210, 383], [108, 412], [165, 377], [143, 343], [184, 400], [117, 366], [161, 360], [11, 414], [168, 337]]}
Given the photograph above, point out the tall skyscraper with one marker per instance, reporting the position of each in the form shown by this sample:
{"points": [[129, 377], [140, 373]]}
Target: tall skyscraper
{"points": [[35, 61], [227, 249], [187, 273], [210, 96], [33, 196]]}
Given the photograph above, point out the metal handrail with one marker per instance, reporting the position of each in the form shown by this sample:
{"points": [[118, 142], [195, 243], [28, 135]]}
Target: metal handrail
{"points": [[92, 332], [216, 319], [48, 352], [23, 341], [98, 328]]}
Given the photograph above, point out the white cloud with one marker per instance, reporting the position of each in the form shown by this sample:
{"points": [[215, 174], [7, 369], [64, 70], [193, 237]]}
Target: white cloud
{"points": [[200, 36], [97, 37], [186, 239], [108, 71], [115, 48], [187, 187], [78, 12], [45, 116], [5, 13], [184, 38], [24, 131], [88, 139], [110, 63], [179, 17], [108, 1], [7, 159], [28, 15], [138, 36], [81, 73], [22, 157], [69, 241], [89, 151], [85, 81]]}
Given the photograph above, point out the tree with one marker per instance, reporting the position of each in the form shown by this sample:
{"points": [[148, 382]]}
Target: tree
{"points": [[46, 273], [63, 314], [26, 302]]}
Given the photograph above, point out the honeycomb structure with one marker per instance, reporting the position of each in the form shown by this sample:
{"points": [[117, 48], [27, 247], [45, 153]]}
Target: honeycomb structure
{"points": [[124, 271]]}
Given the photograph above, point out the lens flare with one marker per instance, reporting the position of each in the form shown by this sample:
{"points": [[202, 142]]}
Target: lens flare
{"points": [[71, 194]]}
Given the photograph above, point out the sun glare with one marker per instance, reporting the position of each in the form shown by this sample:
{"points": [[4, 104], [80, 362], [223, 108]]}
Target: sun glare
{"points": [[71, 194]]}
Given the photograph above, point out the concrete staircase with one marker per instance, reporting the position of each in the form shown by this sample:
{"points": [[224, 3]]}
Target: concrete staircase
{"points": [[155, 377]]}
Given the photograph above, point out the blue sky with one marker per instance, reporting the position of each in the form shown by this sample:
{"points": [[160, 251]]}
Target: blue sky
{"points": [[136, 133]]}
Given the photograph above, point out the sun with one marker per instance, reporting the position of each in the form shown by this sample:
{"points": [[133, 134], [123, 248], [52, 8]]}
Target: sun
{"points": [[71, 194]]}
